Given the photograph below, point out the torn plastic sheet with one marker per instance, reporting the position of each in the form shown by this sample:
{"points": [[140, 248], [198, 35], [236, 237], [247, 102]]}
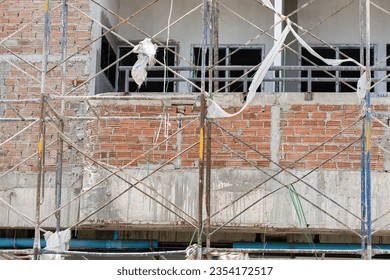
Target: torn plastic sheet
{"points": [[215, 111], [361, 87], [192, 254], [57, 241], [146, 51], [268, 4]]}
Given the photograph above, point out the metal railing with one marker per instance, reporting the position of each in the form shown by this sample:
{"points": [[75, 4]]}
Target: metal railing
{"points": [[296, 74]]}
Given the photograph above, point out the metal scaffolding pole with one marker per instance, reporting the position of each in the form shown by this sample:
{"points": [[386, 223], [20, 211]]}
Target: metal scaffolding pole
{"points": [[42, 129], [202, 125], [363, 141], [368, 128], [213, 85], [60, 148]]}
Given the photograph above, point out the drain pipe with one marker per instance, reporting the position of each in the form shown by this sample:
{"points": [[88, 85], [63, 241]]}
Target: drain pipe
{"points": [[305, 246], [83, 243]]}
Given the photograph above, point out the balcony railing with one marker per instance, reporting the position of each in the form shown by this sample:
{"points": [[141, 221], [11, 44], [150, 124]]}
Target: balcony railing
{"points": [[281, 74]]}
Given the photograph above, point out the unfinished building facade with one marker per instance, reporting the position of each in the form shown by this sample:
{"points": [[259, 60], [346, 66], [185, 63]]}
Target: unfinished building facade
{"points": [[263, 126]]}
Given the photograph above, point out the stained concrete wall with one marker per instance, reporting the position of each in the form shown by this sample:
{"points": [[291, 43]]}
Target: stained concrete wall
{"points": [[274, 213], [19, 190]]}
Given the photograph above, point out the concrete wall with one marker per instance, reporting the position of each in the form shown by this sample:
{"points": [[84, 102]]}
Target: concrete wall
{"points": [[273, 214], [19, 188]]}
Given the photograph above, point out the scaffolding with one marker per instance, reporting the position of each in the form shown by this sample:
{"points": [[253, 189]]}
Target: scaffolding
{"points": [[54, 103]]}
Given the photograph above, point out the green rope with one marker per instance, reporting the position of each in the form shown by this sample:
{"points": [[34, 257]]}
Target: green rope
{"points": [[297, 205], [300, 213], [192, 238], [193, 235]]}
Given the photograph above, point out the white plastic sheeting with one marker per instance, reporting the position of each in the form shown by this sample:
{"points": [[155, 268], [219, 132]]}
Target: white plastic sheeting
{"points": [[192, 251], [215, 111], [57, 241], [146, 51]]}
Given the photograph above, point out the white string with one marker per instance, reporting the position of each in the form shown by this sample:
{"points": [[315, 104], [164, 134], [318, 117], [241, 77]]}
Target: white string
{"points": [[166, 120], [166, 45]]}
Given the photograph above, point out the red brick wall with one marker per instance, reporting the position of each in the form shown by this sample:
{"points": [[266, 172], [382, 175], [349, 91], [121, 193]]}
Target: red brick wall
{"points": [[22, 79], [302, 129]]}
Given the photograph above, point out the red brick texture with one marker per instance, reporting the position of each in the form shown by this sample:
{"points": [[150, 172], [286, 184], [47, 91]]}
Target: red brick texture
{"points": [[20, 76], [303, 128]]}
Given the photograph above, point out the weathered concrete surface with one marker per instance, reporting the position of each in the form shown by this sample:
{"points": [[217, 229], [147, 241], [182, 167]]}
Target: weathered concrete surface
{"points": [[276, 211], [136, 210], [19, 189]]}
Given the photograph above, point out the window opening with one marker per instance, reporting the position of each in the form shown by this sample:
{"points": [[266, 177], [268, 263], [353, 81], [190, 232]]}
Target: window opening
{"points": [[336, 86], [108, 56], [148, 86], [246, 57]]}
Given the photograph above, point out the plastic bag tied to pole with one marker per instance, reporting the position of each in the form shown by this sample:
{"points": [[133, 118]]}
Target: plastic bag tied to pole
{"points": [[146, 51], [57, 241]]}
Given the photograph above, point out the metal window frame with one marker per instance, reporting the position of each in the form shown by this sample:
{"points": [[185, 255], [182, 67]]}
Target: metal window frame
{"points": [[227, 48], [171, 44], [337, 56]]}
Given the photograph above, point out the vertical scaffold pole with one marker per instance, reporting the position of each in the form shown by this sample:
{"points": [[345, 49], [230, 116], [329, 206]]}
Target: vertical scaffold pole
{"points": [[202, 126], [213, 58], [368, 129], [60, 149], [42, 129], [363, 160]]}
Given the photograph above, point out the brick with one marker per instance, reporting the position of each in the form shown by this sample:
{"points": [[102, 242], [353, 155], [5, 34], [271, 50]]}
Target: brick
{"points": [[326, 108], [332, 148], [296, 107], [300, 148], [344, 165], [302, 131], [301, 115], [310, 108], [318, 115]]}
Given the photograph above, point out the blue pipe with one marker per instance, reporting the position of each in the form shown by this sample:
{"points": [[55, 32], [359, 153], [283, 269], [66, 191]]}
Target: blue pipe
{"points": [[83, 243], [305, 246], [368, 170], [363, 188]]}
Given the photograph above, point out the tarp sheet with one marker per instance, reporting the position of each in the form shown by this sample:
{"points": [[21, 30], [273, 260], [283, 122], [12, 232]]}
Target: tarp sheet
{"points": [[57, 241]]}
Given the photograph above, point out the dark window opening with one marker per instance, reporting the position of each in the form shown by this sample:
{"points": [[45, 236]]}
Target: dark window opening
{"points": [[108, 57], [246, 57], [336, 86], [317, 86], [148, 86], [198, 61], [355, 54]]}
